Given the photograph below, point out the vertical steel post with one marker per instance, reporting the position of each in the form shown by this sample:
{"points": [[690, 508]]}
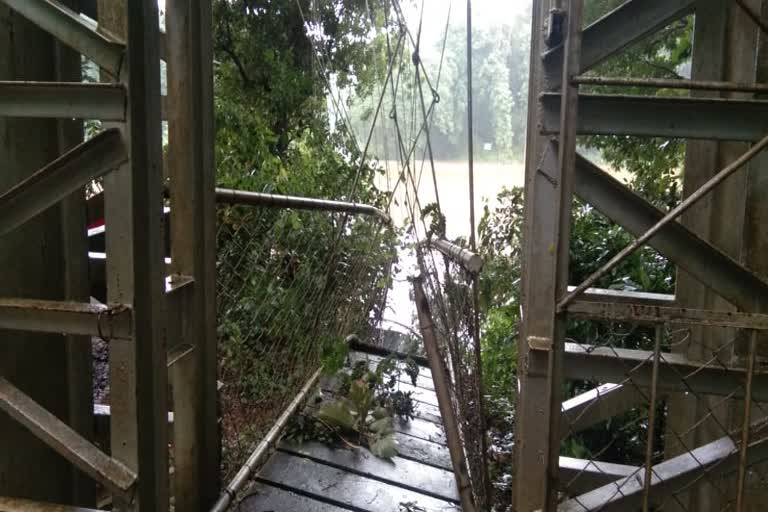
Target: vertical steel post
{"points": [[118, 200], [193, 249], [528, 491], [144, 129], [549, 194]]}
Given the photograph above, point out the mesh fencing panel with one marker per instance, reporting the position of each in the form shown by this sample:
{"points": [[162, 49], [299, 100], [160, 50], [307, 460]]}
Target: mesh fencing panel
{"points": [[291, 285], [656, 418]]}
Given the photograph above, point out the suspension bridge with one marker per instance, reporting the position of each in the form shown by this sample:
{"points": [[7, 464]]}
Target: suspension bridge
{"points": [[212, 312]]}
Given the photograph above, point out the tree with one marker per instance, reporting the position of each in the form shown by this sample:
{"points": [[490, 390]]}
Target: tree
{"points": [[653, 163]]}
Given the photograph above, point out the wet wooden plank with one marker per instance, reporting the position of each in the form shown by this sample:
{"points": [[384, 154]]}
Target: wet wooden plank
{"points": [[425, 452], [428, 412], [267, 498], [419, 394], [422, 429], [343, 488], [435, 482]]}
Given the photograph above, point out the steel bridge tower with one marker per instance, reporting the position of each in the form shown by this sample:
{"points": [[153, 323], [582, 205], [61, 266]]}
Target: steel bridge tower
{"points": [[159, 319], [711, 387]]}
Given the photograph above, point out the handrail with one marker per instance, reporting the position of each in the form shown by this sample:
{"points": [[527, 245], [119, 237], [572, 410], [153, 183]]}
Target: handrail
{"points": [[232, 196], [265, 447]]}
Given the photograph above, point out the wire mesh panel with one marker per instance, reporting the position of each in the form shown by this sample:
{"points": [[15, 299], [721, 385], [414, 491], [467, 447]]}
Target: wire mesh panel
{"points": [[645, 426], [450, 293], [291, 285]]}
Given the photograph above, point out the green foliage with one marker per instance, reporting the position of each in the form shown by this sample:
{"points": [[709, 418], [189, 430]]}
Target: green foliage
{"points": [[436, 220], [291, 283], [500, 94], [364, 410]]}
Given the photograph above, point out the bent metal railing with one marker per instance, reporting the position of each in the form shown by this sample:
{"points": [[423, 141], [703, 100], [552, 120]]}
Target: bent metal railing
{"points": [[295, 277], [448, 323]]}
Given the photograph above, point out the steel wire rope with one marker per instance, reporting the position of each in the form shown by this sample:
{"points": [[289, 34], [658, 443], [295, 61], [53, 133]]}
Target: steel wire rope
{"points": [[318, 55], [435, 97], [363, 156]]}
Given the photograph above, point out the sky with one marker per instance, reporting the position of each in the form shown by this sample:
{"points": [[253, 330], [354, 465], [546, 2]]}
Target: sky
{"points": [[485, 13]]}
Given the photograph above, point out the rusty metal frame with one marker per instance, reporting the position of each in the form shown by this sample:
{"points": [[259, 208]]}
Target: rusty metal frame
{"points": [[79, 100], [87, 457], [67, 26], [66, 317], [153, 311], [68, 173], [554, 172], [191, 172]]}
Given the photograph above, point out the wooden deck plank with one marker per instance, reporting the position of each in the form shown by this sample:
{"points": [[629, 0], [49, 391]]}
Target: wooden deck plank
{"points": [[422, 429], [266, 498], [423, 451], [435, 482], [345, 489]]}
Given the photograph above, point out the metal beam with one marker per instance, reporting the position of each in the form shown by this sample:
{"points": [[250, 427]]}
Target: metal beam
{"points": [[230, 196], [67, 26], [188, 49], [621, 296], [700, 259], [63, 100], [440, 378], [652, 116], [57, 180], [116, 477], [599, 404], [671, 83], [625, 25], [581, 475], [641, 313], [22, 505], [676, 372], [716, 458], [66, 317]]}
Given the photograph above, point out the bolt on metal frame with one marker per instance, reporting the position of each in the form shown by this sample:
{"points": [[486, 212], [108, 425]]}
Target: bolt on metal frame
{"points": [[554, 173], [151, 318]]}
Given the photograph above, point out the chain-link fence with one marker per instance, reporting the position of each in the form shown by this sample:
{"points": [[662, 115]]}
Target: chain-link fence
{"points": [[448, 283], [661, 415], [292, 284]]}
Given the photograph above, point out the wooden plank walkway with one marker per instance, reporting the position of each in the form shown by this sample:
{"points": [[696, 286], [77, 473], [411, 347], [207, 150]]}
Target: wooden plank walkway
{"points": [[313, 477]]}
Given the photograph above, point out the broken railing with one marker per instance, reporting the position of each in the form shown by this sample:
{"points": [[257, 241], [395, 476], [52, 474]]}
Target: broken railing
{"points": [[295, 276], [447, 318]]}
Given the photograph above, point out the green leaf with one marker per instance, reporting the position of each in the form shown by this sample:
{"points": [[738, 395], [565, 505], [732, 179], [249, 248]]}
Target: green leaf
{"points": [[337, 414], [380, 412], [385, 447], [383, 426], [361, 397]]}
